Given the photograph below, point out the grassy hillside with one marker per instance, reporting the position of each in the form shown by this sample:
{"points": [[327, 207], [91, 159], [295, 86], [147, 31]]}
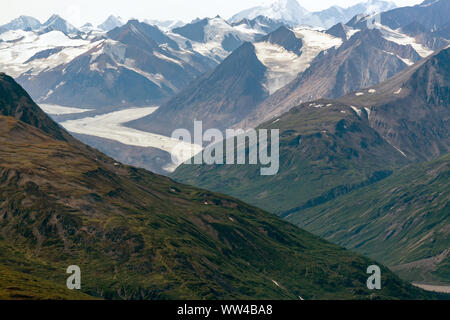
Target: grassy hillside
{"points": [[403, 221], [136, 235], [332, 148], [326, 149]]}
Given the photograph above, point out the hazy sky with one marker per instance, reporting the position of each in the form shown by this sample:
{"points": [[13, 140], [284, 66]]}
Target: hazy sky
{"points": [[79, 12]]}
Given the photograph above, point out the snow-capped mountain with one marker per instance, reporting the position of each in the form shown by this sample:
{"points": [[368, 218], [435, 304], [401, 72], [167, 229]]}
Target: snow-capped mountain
{"points": [[55, 22], [288, 11], [289, 66], [335, 14], [136, 64], [89, 28], [215, 37], [243, 80], [55, 65], [165, 25], [111, 22], [260, 23], [22, 23], [366, 57], [287, 52]]}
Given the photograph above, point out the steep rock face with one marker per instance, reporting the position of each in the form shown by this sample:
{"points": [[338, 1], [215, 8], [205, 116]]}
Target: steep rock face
{"points": [[429, 14], [221, 97], [366, 59], [194, 31], [264, 24], [222, 35], [137, 235], [16, 103], [411, 110], [284, 38]]}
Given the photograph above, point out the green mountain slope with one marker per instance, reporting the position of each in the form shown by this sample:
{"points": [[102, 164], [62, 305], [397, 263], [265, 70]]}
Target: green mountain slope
{"points": [[329, 148], [137, 235], [326, 150], [403, 221], [16, 285]]}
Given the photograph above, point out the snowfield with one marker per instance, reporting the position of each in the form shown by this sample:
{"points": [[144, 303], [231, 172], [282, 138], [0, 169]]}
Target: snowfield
{"points": [[215, 32], [404, 40], [19, 46], [60, 110], [110, 126], [283, 65]]}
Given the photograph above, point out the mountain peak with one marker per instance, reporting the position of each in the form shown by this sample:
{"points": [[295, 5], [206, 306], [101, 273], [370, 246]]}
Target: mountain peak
{"points": [[15, 102], [23, 23], [56, 22], [111, 22], [289, 11], [53, 18], [285, 38]]}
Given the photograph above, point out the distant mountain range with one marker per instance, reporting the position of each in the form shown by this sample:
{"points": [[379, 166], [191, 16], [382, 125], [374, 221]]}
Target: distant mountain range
{"points": [[27, 23], [290, 66], [110, 23], [367, 56], [241, 82], [289, 11], [22, 23], [292, 13], [141, 64], [137, 235], [144, 64]]}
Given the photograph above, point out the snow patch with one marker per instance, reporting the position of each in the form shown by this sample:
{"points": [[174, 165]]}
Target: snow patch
{"points": [[350, 32], [358, 111], [283, 65], [164, 57], [402, 39], [60, 110]]}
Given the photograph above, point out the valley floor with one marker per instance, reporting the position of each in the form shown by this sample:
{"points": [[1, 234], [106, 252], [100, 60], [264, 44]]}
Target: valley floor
{"points": [[111, 126], [428, 287]]}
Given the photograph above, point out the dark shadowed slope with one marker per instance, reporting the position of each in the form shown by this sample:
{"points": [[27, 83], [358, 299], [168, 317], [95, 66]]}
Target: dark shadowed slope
{"points": [[219, 98], [403, 221]]}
